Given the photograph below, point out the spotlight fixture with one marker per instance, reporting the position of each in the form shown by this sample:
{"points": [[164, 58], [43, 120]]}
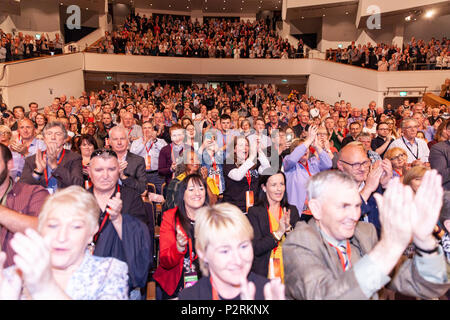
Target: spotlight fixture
{"points": [[429, 14], [408, 18]]}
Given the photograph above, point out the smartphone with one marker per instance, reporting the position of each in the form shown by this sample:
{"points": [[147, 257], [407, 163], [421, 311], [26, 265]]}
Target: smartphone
{"points": [[289, 137]]}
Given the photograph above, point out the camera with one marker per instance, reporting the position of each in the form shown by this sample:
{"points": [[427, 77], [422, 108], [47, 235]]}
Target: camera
{"points": [[6, 115]]}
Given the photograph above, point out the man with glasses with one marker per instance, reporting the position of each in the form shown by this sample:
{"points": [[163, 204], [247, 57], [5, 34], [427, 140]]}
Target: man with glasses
{"points": [[383, 139], [371, 178], [121, 234], [416, 149], [55, 167]]}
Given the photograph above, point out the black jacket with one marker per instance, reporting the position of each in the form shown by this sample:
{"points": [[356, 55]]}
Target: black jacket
{"points": [[263, 241]]}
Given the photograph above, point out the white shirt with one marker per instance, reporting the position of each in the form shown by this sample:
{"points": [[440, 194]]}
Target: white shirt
{"points": [[416, 151]]}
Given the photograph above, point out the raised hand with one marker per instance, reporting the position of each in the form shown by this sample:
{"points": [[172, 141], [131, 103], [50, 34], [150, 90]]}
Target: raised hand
{"points": [[248, 289], [386, 176], [41, 162], [428, 202], [122, 166], [396, 207], [9, 288], [274, 290], [33, 260], [114, 207], [181, 239]]}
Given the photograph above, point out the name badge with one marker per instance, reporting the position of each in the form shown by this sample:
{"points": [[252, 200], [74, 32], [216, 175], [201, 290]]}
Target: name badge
{"points": [[249, 199], [190, 278], [148, 163]]}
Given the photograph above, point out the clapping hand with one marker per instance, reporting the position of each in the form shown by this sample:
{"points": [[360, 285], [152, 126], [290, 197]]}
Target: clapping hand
{"points": [[41, 161], [33, 260], [114, 207], [181, 240], [122, 166], [428, 202], [9, 288]]}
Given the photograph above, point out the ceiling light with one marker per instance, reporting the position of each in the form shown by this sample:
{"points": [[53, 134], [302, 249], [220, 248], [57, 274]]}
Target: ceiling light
{"points": [[346, 12], [429, 14], [408, 18]]}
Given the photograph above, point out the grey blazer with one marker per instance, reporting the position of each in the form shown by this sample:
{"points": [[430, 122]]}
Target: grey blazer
{"points": [[313, 271], [440, 160]]}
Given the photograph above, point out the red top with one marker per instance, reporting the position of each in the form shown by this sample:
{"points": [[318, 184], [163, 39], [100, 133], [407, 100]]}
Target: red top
{"points": [[170, 268]]}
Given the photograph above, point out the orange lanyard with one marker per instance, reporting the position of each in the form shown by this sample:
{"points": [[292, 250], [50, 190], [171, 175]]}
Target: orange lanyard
{"points": [[190, 254], [45, 169], [270, 225], [215, 295], [341, 257]]}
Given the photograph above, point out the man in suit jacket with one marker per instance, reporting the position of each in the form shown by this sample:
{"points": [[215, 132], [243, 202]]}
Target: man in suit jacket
{"points": [[56, 167], [335, 256], [132, 166]]}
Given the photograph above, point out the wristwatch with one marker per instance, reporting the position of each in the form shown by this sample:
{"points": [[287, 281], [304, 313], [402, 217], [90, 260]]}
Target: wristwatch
{"points": [[274, 234]]}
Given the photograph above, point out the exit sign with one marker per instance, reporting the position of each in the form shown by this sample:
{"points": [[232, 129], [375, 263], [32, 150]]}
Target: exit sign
{"points": [[403, 93]]}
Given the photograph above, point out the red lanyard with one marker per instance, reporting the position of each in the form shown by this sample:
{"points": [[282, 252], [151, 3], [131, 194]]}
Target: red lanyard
{"points": [[145, 145], [214, 163], [130, 131], [398, 173], [306, 167], [104, 220], [249, 178], [341, 257], [215, 295], [270, 225], [45, 169]]}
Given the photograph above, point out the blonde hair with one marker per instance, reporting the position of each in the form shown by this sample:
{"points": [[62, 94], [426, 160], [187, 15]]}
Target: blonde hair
{"points": [[71, 198], [414, 173], [390, 153], [5, 129], [222, 221]]}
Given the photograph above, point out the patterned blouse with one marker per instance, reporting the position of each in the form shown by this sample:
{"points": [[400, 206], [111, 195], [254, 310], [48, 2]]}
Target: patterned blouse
{"points": [[96, 278]]}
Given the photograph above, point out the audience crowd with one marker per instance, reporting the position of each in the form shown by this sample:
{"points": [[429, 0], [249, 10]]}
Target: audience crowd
{"points": [[20, 46], [175, 36], [257, 195], [415, 54]]}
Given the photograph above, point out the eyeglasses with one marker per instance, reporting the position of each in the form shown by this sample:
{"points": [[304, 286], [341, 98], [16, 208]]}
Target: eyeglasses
{"points": [[383, 129], [54, 134], [100, 152], [401, 155], [358, 165], [412, 127]]}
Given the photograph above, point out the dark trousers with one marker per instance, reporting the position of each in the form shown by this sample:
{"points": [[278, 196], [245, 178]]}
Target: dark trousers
{"points": [[156, 179]]}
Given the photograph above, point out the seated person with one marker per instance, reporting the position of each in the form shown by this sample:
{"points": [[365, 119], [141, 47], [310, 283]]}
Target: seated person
{"points": [[342, 257], [55, 263]]}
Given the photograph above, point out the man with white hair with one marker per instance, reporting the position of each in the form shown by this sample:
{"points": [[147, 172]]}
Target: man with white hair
{"points": [[134, 131], [132, 166], [342, 258], [416, 149]]}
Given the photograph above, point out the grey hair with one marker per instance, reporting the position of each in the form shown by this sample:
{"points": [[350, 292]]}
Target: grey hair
{"points": [[406, 120], [319, 184], [54, 124]]}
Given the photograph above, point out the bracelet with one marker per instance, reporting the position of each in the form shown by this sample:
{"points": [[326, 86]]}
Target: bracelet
{"points": [[419, 250], [38, 173], [275, 236]]}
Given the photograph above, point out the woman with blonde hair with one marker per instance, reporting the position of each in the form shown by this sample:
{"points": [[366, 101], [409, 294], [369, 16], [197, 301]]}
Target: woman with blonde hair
{"points": [[55, 262], [413, 177], [223, 242], [5, 135], [398, 158]]}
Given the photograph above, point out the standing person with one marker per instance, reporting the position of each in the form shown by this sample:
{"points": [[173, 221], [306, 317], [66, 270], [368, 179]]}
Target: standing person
{"points": [[178, 267], [383, 140], [132, 166], [272, 218], [223, 238], [342, 257], [171, 154], [300, 167], [242, 172], [122, 233], [56, 167], [440, 158], [54, 262], [149, 147], [85, 145], [416, 149], [24, 145], [212, 159], [355, 130]]}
